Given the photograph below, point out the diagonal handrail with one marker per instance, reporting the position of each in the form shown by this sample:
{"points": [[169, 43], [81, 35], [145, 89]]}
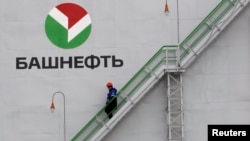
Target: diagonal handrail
{"points": [[157, 60], [96, 123], [205, 27]]}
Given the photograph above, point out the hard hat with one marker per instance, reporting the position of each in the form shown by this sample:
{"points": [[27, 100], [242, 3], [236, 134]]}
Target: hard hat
{"points": [[109, 84]]}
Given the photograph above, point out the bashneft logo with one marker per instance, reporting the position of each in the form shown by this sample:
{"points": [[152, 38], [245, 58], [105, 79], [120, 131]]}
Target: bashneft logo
{"points": [[68, 25]]}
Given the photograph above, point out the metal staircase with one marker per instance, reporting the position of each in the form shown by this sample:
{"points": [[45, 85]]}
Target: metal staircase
{"points": [[130, 94], [209, 29], [170, 61]]}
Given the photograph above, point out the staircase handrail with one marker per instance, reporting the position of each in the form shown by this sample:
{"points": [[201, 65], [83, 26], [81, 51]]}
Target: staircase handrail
{"points": [[203, 28], [191, 40], [157, 60]]}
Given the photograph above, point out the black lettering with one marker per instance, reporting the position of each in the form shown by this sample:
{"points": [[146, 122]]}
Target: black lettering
{"points": [[92, 61], [20, 64], [78, 62], [49, 64], [63, 62], [116, 62], [34, 63], [105, 58]]}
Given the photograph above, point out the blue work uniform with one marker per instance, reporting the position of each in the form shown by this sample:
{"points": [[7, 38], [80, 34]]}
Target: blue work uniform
{"points": [[111, 94]]}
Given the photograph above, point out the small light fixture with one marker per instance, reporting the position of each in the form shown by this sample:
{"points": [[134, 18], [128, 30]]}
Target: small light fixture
{"points": [[166, 9], [52, 107]]}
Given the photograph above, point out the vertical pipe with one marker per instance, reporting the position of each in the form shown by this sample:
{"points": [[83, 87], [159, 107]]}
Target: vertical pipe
{"points": [[178, 35], [178, 22]]}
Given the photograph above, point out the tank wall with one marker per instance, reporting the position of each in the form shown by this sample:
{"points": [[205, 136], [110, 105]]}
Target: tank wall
{"points": [[130, 32]]}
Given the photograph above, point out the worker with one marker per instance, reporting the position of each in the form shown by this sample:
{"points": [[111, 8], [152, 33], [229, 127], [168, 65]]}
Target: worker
{"points": [[111, 102]]}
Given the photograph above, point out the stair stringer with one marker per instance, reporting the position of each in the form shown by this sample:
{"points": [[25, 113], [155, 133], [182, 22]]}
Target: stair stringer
{"points": [[213, 33], [131, 102]]}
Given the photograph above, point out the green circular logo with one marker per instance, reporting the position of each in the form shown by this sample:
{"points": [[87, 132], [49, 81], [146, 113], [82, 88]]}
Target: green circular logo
{"points": [[68, 25]]}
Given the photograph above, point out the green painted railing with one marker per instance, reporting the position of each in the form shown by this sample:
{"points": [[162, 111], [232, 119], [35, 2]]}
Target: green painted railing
{"points": [[158, 59], [205, 26], [130, 88]]}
